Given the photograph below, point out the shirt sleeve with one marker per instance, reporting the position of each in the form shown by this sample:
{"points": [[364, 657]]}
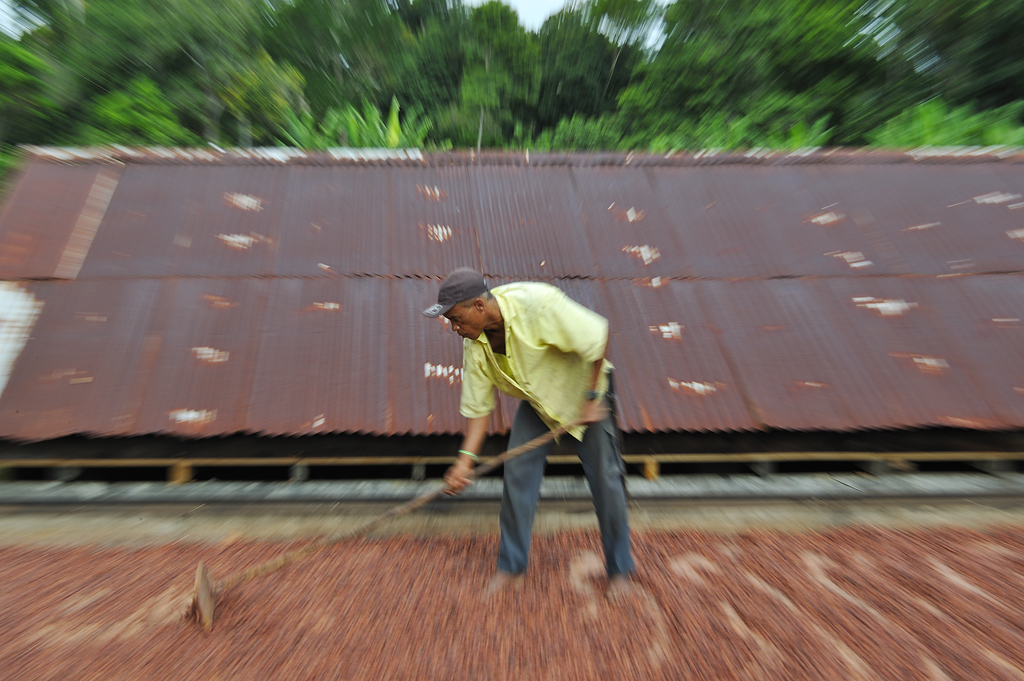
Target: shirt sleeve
{"points": [[477, 390], [571, 327]]}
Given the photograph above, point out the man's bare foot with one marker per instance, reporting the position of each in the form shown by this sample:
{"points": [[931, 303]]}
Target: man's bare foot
{"points": [[501, 581], [619, 587]]}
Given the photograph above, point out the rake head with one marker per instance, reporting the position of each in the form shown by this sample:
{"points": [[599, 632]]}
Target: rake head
{"points": [[201, 608]]}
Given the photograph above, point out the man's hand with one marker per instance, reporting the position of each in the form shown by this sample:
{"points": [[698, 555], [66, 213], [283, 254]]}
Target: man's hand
{"points": [[457, 477], [594, 411]]}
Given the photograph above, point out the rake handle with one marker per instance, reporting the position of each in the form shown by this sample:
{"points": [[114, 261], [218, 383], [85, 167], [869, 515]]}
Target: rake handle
{"points": [[396, 512]]}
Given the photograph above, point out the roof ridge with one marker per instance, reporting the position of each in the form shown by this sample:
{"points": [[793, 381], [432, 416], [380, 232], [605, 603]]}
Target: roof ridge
{"points": [[420, 158]]}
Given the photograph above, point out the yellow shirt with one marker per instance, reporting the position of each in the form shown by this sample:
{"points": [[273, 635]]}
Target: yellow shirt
{"points": [[551, 344]]}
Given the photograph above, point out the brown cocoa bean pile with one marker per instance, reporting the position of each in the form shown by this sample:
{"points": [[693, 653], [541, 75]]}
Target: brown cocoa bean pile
{"points": [[850, 603]]}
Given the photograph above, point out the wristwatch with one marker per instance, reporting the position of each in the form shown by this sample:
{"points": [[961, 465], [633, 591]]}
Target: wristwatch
{"points": [[591, 395]]}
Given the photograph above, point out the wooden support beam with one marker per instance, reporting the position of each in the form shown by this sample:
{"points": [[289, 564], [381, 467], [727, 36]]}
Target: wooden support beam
{"points": [[179, 473], [652, 469]]}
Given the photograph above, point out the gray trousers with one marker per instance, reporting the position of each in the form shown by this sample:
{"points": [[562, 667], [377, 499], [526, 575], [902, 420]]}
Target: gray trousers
{"points": [[602, 463]]}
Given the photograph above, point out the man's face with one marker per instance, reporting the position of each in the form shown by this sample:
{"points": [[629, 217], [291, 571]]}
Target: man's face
{"points": [[467, 318]]}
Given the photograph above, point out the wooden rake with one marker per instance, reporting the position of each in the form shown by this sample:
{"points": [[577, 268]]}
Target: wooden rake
{"points": [[204, 597]]}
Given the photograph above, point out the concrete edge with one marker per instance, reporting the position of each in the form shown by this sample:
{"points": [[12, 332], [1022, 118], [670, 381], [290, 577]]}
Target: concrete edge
{"points": [[694, 487]]}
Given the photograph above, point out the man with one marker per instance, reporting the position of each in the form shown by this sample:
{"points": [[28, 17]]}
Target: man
{"points": [[534, 343]]}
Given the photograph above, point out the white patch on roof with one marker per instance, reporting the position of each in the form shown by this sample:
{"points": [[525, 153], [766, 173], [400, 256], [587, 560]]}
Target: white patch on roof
{"points": [[887, 307], [647, 253], [208, 355], [855, 259], [244, 201], [345, 153], [199, 417], [80, 241], [438, 233], [669, 331], [242, 242], [218, 302], [827, 218], [693, 387], [450, 373], [996, 198], [19, 311]]}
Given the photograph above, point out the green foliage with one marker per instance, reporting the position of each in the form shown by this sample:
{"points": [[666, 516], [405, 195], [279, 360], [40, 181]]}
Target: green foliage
{"points": [[581, 133], [728, 73], [346, 50], [934, 123], [750, 62], [758, 130], [263, 92], [9, 159], [429, 72], [23, 99], [963, 52], [139, 114], [501, 77], [348, 127], [576, 60]]}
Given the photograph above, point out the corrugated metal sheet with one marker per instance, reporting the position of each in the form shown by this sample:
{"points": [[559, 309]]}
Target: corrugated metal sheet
{"points": [[765, 222], [630, 231], [828, 353], [938, 219], [201, 378], [432, 221], [982, 319], [334, 222], [529, 223], [280, 292], [191, 221], [46, 207], [731, 220], [672, 374], [84, 367]]}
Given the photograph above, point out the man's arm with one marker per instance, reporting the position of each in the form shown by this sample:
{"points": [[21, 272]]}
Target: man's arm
{"points": [[457, 477], [594, 410]]}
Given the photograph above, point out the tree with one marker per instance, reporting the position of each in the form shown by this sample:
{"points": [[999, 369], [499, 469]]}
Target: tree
{"points": [[575, 59], [196, 51], [139, 114], [763, 68], [963, 52], [627, 23], [346, 50], [263, 92], [501, 76], [429, 72], [23, 99]]}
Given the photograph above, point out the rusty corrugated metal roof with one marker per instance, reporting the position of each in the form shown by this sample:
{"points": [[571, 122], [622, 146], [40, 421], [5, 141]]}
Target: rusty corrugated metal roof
{"points": [[416, 158], [50, 212], [200, 293]]}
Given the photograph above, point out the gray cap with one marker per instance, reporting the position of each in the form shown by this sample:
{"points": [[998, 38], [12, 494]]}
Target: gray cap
{"points": [[462, 284]]}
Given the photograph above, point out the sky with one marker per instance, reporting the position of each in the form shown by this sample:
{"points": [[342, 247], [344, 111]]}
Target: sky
{"points": [[532, 13], [6, 17]]}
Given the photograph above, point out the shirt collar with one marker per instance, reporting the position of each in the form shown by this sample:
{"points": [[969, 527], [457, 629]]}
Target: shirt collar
{"points": [[508, 313]]}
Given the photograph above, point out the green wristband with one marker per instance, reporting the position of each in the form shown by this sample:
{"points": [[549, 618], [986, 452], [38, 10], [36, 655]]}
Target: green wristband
{"points": [[469, 454]]}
